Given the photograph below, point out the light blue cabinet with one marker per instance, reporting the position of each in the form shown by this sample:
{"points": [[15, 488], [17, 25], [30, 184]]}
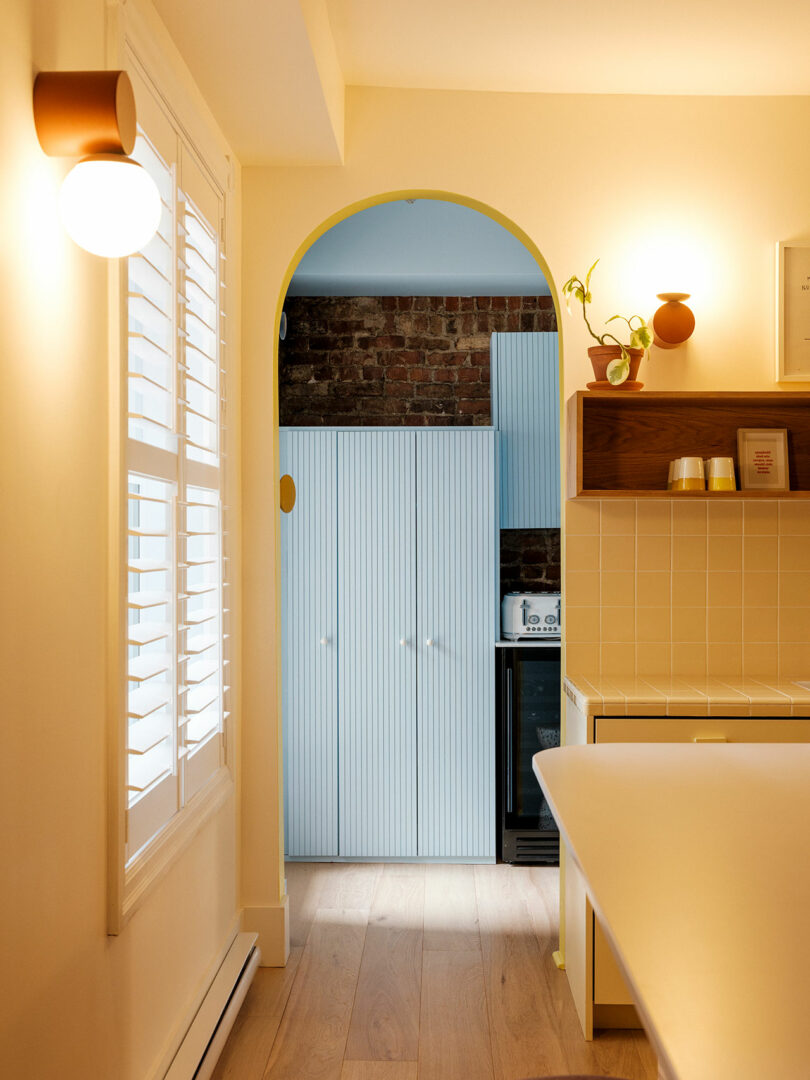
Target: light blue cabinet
{"points": [[377, 654], [309, 655], [526, 411], [456, 604], [389, 558]]}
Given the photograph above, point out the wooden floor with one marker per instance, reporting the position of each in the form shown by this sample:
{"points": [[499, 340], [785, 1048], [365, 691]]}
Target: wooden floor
{"points": [[400, 971]]}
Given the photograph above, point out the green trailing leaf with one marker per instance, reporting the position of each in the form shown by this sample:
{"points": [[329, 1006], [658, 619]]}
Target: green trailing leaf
{"points": [[588, 275], [618, 370], [641, 336]]}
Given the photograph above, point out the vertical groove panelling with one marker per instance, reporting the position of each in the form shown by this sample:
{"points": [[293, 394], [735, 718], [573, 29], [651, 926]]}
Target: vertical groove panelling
{"points": [[377, 675], [455, 533], [309, 668], [526, 385]]}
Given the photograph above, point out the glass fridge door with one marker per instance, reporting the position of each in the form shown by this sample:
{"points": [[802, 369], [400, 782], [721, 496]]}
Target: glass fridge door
{"points": [[532, 722]]}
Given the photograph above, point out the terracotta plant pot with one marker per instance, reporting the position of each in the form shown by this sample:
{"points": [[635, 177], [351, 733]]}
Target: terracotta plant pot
{"points": [[601, 355]]}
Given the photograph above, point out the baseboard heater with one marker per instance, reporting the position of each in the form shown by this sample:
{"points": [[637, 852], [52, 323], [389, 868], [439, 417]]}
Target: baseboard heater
{"points": [[199, 1051]]}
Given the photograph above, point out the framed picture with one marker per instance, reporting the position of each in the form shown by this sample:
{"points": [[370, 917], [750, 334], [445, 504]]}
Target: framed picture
{"points": [[763, 457], [793, 311]]}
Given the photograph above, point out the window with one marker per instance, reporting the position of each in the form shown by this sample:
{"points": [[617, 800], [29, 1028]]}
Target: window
{"points": [[177, 632]]}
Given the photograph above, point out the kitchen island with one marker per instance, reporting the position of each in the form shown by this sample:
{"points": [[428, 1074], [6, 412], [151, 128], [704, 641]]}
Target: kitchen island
{"points": [[643, 710], [696, 859]]}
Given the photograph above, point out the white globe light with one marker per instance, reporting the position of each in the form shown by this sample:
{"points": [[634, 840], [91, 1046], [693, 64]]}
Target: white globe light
{"points": [[110, 205]]}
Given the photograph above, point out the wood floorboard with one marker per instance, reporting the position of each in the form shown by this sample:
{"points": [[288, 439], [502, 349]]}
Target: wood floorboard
{"points": [[385, 1018], [421, 972], [312, 1036], [454, 1037], [451, 910], [245, 1054], [379, 1070]]}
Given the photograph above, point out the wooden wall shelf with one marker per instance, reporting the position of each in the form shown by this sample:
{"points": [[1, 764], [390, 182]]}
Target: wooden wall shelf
{"points": [[620, 444]]}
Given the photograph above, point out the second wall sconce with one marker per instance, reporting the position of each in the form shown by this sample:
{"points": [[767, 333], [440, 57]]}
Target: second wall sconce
{"points": [[673, 322], [109, 204]]}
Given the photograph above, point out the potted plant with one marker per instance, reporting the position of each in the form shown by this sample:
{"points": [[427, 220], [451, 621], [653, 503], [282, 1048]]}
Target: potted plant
{"points": [[617, 363]]}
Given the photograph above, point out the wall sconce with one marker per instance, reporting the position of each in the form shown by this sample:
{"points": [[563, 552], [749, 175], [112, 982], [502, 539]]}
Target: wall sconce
{"points": [[109, 204], [673, 322]]}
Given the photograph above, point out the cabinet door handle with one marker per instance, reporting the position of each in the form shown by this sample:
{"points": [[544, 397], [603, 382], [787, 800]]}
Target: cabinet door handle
{"points": [[403, 641], [324, 641], [710, 738], [429, 641]]}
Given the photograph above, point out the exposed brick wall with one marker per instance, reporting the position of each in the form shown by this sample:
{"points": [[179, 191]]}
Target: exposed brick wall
{"points": [[396, 360], [530, 560]]}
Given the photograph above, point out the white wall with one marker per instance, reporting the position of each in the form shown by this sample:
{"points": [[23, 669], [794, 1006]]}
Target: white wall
{"points": [[75, 1002], [686, 194]]}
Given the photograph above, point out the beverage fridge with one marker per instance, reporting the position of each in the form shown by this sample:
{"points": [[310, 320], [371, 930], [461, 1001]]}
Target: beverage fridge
{"points": [[528, 689]]}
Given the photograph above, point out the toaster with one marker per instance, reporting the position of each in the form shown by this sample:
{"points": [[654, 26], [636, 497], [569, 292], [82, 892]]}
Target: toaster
{"points": [[530, 615]]}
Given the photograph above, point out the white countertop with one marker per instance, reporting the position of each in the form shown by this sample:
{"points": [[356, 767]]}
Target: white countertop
{"points": [[697, 860], [666, 695]]}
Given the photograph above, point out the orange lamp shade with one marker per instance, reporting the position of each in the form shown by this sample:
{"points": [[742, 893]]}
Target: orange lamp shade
{"points": [[673, 322]]}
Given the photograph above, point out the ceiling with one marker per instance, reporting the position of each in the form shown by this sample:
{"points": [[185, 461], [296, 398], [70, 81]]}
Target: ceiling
{"points": [[274, 71]]}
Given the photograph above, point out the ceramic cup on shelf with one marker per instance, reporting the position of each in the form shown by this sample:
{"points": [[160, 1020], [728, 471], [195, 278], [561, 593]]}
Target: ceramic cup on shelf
{"points": [[673, 465], [689, 475], [721, 474]]}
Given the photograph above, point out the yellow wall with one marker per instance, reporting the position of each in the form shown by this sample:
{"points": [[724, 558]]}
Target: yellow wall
{"points": [[75, 1002], [682, 194]]}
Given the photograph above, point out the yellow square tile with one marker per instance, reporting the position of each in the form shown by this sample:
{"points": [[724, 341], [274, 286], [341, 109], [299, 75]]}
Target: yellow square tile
{"points": [[581, 553], [760, 624], [618, 660], [654, 517], [794, 518], [725, 518], [689, 518], [724, 589], [725, 659], [653, 553], [618, 553], [794, 661], [618, 624], [582, 659], [688, 589], [725, 553], [725, 624], [582, 588], [794, 625], [689, 660], [760, 518], [653, 659], [794, 590], [653, 588], [689, 625], [794, 553], [653, 624], [760, 660], [760, 590], [760, 554], [582, 517], [582, 625], [618, 517], [619, 589], [688, 552]]}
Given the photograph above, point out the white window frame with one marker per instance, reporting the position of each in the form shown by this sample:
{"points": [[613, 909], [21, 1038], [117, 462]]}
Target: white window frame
{"points": [[138, 43]]}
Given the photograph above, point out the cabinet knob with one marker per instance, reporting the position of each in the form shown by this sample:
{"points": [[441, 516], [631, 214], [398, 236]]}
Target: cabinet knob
{"points": [[403, 641], [324, 641], [429, 641]]}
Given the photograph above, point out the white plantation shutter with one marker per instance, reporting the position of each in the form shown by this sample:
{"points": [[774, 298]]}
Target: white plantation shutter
{"points": [[176, 635]]}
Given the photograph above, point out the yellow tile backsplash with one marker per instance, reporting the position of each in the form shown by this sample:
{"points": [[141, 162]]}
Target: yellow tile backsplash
{"points": [[688, 588]]}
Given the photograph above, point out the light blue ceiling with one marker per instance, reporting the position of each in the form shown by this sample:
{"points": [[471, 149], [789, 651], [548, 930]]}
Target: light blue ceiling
{"points": [[424, 248]]}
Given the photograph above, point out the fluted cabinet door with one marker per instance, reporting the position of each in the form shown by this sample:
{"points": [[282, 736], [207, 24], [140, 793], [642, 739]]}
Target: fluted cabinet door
{"points": [[377, 658], [526, 411], [456, 602], [309, 645]]}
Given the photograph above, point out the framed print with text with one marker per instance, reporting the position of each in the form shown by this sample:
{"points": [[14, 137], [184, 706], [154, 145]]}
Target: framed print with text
{"points": [[763, 457], [793, 311]]}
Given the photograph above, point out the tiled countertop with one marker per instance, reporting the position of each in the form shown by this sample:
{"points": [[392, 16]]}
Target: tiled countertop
{"points": [[665, 695]]}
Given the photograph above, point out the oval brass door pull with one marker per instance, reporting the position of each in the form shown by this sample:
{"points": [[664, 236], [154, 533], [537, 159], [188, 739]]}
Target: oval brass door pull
{"points": [[287, 491]]}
